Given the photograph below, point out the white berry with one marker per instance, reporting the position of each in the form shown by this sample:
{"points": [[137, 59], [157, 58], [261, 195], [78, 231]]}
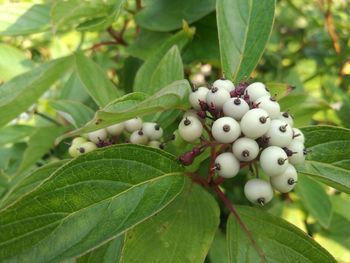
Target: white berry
{"points": [[280, 133], [255, 123], [116, 129], [256, 90], [235, 108], [190, 129], [217, 97], [285, 116], [268, 104], [199, 94], [98, 136], [224, 84], [285, 182], [133, 124], [227, 165], [258, 191], [191, 113], [74, 150], [273, 161], [225, 130], [155, 144], [78, 141], [298, 135], [87, 147], [298, 156], [152, 130], [138, 137], [245, 149]]}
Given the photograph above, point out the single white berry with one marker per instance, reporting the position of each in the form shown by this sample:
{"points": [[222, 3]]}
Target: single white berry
{"points": [[245, 149], [270, 105], [152, 130], [227, 165], [285, 182], [226, 130], [280, 133], [285, 116], [224, 84], [138, 137], [98, 136], [198, 94], [116, 129], [258, 191], [255, 123], [235, 108], [273, 161], [78, 141], [298, 150], [191, 113], [133, 124], [74, 150], [298, 135], [87, 147], [155, 144], [217, 97], [256, 90], [190, 129]]}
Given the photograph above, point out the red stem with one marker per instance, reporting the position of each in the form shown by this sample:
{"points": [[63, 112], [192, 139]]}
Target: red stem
{"points": [[103, 43], [230, 206]]}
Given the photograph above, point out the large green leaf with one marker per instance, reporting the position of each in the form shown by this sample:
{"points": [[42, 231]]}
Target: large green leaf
{"points": [[24, 184], [169, 69], [244, 28], [279, 240], [95, 81], [39, 143], [218, 250], [329, 160], [142, 79], [88, 201], [182, 232], [23, 18], [64, 13], [107, 253], [15, 133], [167, 15], [138, 104], [13, 62], [76, 113], [315, 199], [22, 91]]}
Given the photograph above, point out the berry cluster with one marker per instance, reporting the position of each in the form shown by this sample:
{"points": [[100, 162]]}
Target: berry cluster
{"points": [[136, 131], [250, 119]]}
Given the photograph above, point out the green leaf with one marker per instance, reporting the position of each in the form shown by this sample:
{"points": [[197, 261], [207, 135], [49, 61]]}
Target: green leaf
{"points": [[74, 112], [193, 216], [146, 43], [315, 199], [22, 91], [70, 12], [137, 104], [218, 250], [167, 15], [27, 183], [143, 80], [279, 90], [23, 18], [169, 69], [95, 81], [14, 133], [329, 159], [244, 28], [13, 62], [41, 141], [74, 89], [88, 201], [279, 240], [107, 253]]}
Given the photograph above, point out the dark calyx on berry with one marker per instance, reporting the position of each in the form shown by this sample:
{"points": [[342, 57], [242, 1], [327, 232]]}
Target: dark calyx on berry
{"points": [[261, 201], [281, 161], [283, 128], [263, 119], [245, 153], [291, 181], [157, 127], [187, 122], [237, 101], [226, 128]]}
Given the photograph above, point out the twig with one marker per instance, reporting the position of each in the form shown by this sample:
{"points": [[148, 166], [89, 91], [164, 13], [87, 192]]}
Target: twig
{"points": [[118, 36], [230, 206], [44, 116], [331, 28], [101, 44]]}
